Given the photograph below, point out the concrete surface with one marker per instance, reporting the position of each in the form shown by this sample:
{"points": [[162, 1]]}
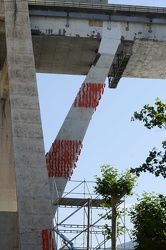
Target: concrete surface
{"points": [[24, 186], [79, 116], [72, 50], [79, 45]]}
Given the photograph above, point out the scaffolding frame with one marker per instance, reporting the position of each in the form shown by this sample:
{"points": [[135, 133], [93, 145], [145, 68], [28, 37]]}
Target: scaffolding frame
{"points": [[91, 229]]}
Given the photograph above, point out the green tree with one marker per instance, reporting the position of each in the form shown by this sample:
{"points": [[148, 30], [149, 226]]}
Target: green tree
{"points": [[153, 117], [113, 186], [149, 219]]}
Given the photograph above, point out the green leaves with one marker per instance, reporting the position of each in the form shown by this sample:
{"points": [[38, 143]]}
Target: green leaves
{"points": [[149, 219], [152, 116], [154, 164], [149, 214], [114, 185]]}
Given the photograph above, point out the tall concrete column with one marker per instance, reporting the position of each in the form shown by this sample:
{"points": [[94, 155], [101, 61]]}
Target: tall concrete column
{"points": [[25, 203], [9, 227]]}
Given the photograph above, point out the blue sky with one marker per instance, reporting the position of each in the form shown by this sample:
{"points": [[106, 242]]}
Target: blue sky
{"points": [[111, 137]]}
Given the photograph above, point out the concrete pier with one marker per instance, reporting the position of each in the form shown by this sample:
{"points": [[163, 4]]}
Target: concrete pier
{"points": [[25, 204]]}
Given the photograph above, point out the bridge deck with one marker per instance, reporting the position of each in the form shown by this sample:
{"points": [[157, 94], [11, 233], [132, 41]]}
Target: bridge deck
{"points": [[62, 54], [102, 8]]}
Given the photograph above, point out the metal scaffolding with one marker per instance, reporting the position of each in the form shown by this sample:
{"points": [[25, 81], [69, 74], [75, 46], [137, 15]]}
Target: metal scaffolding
{"points": [[77, 218], [79, 223]]}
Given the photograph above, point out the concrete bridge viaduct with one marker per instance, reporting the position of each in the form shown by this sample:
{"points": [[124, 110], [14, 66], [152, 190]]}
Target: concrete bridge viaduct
{"points": [[95, 39]]}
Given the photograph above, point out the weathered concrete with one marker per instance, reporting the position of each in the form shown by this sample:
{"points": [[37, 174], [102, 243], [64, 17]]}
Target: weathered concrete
{"points": [[4, 86], [9, 226], [8, 199], [79, 116], [63, 54], [148, 60], [69, 45], [24, 188], [9, 231], [74, 41], [82, 39], [2, 14]]}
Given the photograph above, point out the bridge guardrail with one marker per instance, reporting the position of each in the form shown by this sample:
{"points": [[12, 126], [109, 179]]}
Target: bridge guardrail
{"points": [[111, 7]]}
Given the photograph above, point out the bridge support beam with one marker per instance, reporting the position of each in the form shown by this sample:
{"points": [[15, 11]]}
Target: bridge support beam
{"points": [[66, 148], [25, 202]]}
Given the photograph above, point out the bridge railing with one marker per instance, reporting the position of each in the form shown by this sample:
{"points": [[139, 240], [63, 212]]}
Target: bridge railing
{"points": [[109, 7]]}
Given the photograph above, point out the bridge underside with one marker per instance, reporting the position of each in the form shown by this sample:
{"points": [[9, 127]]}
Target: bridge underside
{"points": [[75, 55], [72, 55], [64, 55]]}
